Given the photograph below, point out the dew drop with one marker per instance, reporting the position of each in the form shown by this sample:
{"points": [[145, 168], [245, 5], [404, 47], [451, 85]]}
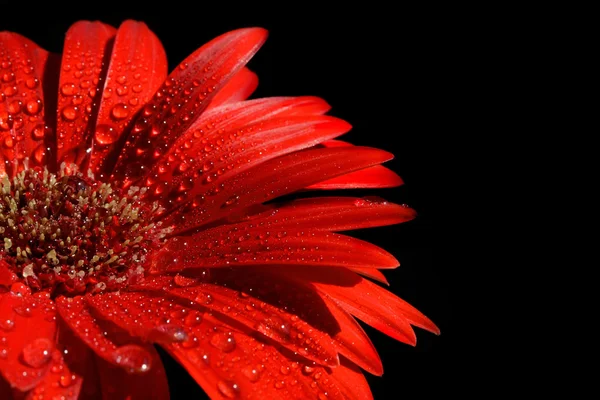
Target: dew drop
{"points": [[253, 374], [14, 107], [168, 333], [38, 132], [69, 113], [7, 324], [223, 342], [228, 389], [68, 89], [105, 134], [32, 83], [34, 106], [133, 358], [38, 353], [307, 370], [23, 310], [279, 384], [39, 153], [183, 281], [120, 111], [8, 142], [193, 319], [66, 380]]}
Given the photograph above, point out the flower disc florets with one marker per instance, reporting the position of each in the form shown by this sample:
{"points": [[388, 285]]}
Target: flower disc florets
{"points": [[69, 234]]}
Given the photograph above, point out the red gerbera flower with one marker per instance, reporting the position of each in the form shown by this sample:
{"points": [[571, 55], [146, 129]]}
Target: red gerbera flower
{"points": [[136, 209]]}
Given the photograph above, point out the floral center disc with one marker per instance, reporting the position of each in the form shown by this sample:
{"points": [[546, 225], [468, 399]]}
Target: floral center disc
{"points": [[68, 234]]}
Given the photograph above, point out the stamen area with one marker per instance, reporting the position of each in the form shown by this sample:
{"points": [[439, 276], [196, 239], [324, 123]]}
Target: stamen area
{"points": [[68, 234]]}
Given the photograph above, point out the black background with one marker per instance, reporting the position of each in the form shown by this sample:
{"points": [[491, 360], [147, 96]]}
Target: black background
{"points": [[380, 71]]}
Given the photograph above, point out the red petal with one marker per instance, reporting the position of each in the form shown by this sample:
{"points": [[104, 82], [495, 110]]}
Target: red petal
{"points": [[183, 96], [76, 314], [377, 177], [22, 129], [138, 66], [248, 369], [324, 214], [118, 384], [318, 310], [29, 330], [68, 368], [351, 381], [371, 273], [275, 323], [271, 179], [239, 88], [129, 311], [372, 177], [7, 277], [85, 61], [262, 247], [229, 153], [366, 300], [225, 119]]}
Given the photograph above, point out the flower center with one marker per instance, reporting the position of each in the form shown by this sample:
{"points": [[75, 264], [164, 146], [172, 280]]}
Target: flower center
{"points": [[69, 234]]}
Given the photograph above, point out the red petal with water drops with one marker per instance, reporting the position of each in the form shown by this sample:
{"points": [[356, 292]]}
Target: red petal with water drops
{"points": [[366, 300], [115, 383], [85, 61], [182, 98], [275, 323], [7, 277], [27, 337], [311, 306], [229, 153], [239, 88], [76, 314], [257, 286], [138, 66], [325, 214], [376, 177], [22, 128], [228, 363], [225, 119], [351, 381], [140, 315], [69, 366], [269, 180], [262, 247]]}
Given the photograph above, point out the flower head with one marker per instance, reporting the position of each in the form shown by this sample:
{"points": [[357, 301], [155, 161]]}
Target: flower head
{"points": [[140, 209]]}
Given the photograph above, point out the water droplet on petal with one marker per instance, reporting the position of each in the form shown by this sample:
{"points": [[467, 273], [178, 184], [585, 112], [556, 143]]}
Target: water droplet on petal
{"points": [[168, 333], [222, 341], [69, 113], [38, 353], [120, 111], [253, 374], [66, 380], [228, 389], [68, 89], [105, 134], [7, 324], [183, 281], [133, 358], [34, 106]]}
